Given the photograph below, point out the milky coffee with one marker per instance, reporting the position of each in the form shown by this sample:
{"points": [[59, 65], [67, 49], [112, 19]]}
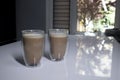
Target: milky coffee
{"points": [[58, 43], [33, 48]]}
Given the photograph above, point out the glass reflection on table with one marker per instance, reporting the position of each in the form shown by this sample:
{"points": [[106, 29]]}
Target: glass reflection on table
{"points": [[94, 56]]}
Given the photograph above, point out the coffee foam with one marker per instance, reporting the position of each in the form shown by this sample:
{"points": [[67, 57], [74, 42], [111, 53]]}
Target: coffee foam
{"points": [[58, 35], [33, 35]]}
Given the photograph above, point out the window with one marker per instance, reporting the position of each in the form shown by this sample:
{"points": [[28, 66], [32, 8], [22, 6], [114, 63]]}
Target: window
{"points": [[95, 15], [57, 14], [61, 14], [80, 15]]}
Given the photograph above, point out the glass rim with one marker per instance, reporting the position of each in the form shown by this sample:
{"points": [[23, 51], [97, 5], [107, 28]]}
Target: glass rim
{"points": [[58, 30], [32, 30]]}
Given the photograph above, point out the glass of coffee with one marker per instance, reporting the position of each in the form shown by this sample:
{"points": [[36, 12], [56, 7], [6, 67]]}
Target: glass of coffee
{"points": [[33, 45], [58, 43]]}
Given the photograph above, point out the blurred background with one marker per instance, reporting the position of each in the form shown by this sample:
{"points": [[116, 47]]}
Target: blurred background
{"points": [[75, 15]]}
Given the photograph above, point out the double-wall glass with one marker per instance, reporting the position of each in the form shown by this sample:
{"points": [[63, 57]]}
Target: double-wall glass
{"points": [[33, 44]]}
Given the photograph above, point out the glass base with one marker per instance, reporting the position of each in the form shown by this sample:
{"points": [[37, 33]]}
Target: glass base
{"points": [[33, 65], [56, 59]]}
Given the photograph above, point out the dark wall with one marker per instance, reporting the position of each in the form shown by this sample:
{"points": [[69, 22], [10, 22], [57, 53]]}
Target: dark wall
{"points": [[7, 21], [30, 14]]}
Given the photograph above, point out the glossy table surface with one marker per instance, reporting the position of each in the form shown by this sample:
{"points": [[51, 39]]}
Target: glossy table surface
{"points": [[87, 58]]}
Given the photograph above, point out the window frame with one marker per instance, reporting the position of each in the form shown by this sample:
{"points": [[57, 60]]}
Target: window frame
{"points": [[49, 15]]}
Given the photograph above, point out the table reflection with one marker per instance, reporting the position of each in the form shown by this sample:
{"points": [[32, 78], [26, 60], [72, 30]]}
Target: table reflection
{"points": [[94, 56]]}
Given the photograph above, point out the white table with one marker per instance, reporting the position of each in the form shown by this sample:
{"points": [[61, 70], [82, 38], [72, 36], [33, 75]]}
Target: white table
{"points": [[87, 58]]}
